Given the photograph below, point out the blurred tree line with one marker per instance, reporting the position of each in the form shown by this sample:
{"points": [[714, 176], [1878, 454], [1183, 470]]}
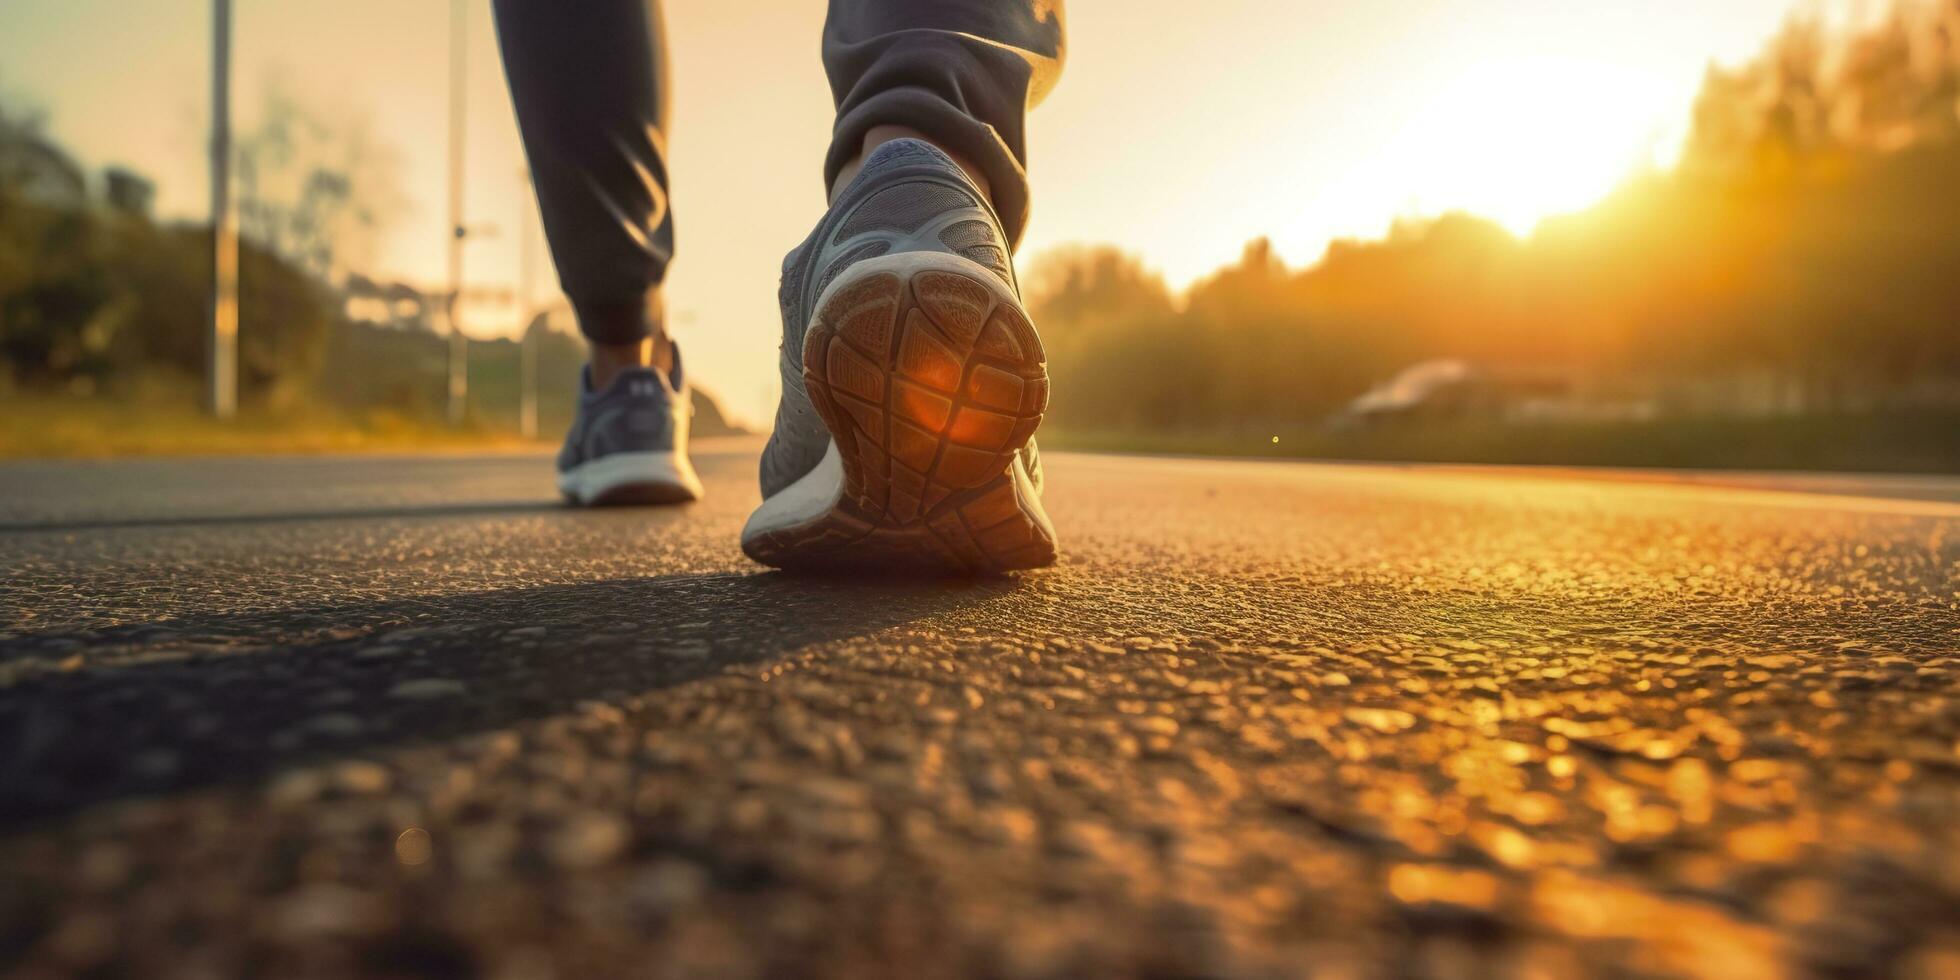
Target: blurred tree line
{"points": [[93, 291], [1806, 236], [1810, 235], [96, 297]]}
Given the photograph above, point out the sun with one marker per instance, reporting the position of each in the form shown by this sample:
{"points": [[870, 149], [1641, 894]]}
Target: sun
{"points": [[1519, 140]]}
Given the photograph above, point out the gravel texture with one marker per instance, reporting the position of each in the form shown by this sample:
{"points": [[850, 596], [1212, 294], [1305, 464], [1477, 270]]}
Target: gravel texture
{"points": [[408, 716]]}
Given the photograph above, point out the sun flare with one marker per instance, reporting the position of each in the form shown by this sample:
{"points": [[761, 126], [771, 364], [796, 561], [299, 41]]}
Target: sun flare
{"points": [[1521, 140]]}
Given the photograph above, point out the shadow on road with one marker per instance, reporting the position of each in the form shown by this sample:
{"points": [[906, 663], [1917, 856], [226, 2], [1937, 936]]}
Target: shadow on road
{"points": [[302, 685]]}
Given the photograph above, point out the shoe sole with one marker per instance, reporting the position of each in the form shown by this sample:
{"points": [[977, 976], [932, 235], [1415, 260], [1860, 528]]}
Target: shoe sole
{"points": [[931, 381], [631, 479]]}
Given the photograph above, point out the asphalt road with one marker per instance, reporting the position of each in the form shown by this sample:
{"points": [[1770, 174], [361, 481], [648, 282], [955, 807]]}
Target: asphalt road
{"points": [[409, 716]]}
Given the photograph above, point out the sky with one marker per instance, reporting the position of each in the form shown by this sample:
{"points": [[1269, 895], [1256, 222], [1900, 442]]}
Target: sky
{"points": [[1176, 137]]}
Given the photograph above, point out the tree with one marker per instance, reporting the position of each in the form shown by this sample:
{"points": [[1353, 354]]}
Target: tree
{"points": [[313, 186], [55, 293], [88, 292]]}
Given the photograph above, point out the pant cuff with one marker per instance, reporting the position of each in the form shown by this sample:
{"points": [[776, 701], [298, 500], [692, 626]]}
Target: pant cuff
{"points": [[613, 320]]}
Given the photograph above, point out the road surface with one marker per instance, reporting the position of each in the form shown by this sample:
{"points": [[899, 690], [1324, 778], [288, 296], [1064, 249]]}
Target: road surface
{"points": [[409, 716]]}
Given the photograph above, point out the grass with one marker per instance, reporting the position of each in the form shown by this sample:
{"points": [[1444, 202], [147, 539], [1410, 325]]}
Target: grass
{"points": [[1920, 442], [165, 420], [168, 422]]}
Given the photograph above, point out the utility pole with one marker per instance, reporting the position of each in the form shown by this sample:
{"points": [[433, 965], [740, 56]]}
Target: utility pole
{"points": [[221, 348], [527, 351], [459, 365]]}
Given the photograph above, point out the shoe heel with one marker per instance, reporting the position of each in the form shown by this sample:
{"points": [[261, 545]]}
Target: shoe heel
{"points": [[931, 381]]}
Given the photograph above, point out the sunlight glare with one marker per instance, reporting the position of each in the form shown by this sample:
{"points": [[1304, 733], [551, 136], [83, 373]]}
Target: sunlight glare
{"points": [[1519, 140]]}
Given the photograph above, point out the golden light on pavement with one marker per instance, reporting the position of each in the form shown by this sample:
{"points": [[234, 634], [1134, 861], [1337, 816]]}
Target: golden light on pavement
{"points": [[413, 847]]}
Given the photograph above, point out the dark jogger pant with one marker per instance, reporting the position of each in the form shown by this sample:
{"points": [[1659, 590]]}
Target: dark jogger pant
{"points": [[590, 84]]}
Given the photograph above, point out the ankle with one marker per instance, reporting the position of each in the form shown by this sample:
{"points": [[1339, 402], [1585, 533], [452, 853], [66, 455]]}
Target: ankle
{"points": [[879, 135], [607, 360]]}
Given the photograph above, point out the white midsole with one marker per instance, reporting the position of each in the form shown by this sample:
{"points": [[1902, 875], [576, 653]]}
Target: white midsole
{"points": [[592, 479], [1027, 497], [812, 496]]}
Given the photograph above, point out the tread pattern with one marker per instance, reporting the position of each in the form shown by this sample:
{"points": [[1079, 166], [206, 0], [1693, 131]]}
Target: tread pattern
{"points": [[930, 383]]}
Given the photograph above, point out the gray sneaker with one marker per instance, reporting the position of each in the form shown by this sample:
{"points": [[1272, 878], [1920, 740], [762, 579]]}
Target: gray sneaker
{"points": [[912, 386], [628, 444]]}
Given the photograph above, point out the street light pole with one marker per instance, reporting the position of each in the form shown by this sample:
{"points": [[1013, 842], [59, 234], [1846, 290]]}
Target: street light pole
{"points": [[221, 344], [459, 369]]}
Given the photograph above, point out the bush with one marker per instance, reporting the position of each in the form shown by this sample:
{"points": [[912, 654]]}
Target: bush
{"points": [[90, 294]]}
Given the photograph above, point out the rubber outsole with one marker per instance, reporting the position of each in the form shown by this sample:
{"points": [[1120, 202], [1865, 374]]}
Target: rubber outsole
{"points": [[638, 495], [931, 381]]}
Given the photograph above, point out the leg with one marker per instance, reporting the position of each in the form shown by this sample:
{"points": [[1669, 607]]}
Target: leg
{"points": [[589, 82], [912, 379], [959, 73], [590, 86]]}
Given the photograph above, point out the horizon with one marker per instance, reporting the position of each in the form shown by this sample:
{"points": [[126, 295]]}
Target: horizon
{"points": [[1375, 98]]}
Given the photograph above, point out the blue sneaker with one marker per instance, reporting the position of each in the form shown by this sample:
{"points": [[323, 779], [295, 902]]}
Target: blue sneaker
{"points": [[628, 444], [912, 386]]}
